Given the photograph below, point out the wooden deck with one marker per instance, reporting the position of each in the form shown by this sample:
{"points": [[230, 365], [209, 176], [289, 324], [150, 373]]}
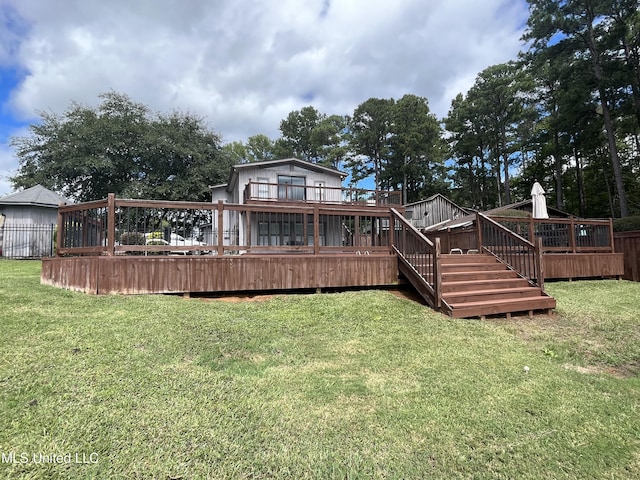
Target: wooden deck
{"points": [[120, 246], [567, 258], [629, 243], [571, 266], [212, 274]]}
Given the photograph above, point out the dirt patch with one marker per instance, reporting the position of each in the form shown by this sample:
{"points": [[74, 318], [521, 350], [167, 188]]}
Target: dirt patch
{"points": [[407, 294], [623, 371], [588, 370], [628, 370], [238, 298]]}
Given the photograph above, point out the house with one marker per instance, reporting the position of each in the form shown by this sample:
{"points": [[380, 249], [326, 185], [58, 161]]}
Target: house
{"points": [[289, 182], [286, 180], [29, 218]]}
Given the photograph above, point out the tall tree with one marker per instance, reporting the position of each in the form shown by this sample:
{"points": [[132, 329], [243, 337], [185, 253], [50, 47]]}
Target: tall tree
{"points": [[486, 126], [577, 25], [329, 137], [297, 130], [496, 98], [119, 147], [417, 160], [260, 147], [370, 134], [470, 150], [234, 152], [313, 136]]}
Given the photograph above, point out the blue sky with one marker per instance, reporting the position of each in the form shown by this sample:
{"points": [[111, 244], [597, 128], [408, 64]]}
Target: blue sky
{"points": [[243, 65]]}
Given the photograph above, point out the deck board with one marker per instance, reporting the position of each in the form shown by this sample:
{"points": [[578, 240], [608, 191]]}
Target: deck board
{"points": [[582, 265], [209, 274]]}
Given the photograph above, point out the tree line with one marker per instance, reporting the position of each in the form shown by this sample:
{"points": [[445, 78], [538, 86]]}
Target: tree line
{"points": [[566, 113]]}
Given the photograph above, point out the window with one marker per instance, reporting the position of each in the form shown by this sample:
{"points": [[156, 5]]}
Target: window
{"points": [[291, 188], [280, 228]]}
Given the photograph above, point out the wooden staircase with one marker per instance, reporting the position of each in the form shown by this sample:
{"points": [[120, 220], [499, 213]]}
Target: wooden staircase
{"points": [[477, 285]]}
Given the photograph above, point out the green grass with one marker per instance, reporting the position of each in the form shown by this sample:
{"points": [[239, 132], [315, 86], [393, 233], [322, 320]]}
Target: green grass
{"points": [[347, 385]]}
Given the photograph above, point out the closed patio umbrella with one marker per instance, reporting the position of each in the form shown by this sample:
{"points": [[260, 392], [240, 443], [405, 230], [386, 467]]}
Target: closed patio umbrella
{"points": [[539, 202]]}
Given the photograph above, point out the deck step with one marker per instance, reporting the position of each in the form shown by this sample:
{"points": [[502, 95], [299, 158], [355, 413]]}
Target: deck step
{"points": [[470, 285], [478, 285], [490, 307], [477, 275], [492, 295], [472, 267], [473, 258]]}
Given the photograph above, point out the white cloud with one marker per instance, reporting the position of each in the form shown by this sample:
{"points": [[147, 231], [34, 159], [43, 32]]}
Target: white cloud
{"points": [[244, 65], [8, 164]]}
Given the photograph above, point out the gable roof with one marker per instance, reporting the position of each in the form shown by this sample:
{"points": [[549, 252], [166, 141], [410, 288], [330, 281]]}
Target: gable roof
{"points": [[527, 206], [34, 196], [469, 219], [440, 196], [314, 167]]}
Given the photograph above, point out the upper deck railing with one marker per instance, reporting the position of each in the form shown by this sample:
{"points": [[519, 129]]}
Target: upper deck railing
{"points": [[285, 193]]}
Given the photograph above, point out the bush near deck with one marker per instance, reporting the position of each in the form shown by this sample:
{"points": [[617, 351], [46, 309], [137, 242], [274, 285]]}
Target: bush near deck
{"points": [[347, 385]]}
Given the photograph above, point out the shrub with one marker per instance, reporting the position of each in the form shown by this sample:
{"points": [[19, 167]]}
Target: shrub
{"points": [[132, 238]]}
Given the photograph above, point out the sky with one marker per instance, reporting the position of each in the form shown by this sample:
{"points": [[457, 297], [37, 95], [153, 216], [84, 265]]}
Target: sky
{"points": [[243, 65]]}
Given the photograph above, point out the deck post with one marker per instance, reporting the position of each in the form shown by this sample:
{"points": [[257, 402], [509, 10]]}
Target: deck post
{"points": [[247, 230], [61, 233], [539, 262], [316, 229], [85, 231], [572, 235], [437, 273], [220, 211], [111, 224], [612, 240], [479, 232], [305, 229], [532, 230], [392, 232]]}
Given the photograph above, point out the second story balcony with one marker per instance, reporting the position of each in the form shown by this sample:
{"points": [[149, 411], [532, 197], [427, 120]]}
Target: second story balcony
{"points": [[257, 192]]}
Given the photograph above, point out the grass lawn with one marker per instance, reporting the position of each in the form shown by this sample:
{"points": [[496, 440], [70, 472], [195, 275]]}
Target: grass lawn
{"points": [[348, 385]]}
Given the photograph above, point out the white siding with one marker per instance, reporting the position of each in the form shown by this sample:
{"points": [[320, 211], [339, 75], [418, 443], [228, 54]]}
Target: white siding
{"points": [[246, 175], [220, 193], [29, 215]]}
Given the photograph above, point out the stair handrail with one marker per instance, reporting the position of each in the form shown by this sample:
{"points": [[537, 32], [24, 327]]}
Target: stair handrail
{"points": [[419, 253], [510, 248]]}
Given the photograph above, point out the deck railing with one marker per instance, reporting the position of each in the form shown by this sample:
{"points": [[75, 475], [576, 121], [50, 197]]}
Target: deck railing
{"points": [[563, 235], [420, 257], [517, 252], [279, 192], [115, 226]]}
